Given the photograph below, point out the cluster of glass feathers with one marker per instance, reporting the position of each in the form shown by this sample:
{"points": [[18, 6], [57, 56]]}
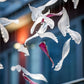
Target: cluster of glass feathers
{"points": [[45, 20]]}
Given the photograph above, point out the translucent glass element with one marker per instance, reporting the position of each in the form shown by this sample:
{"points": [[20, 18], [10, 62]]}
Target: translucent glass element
{"points": [[65, 0], [49, 35], [75, 2], [47, 20], [65, 52], [43, 47], [75, 36], [63, 23], [42, 34], [17, 67], [41, 31], [24, 50], [13, 68], [34, 76], [28, 79], [1, 66], [48, 14], [37, 15], [36, 12], [2, 0], [6, 21], [4, 33], [64, 27]]}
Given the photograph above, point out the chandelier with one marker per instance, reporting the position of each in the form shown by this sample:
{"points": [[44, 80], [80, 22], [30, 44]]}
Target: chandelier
{"points": [[45, 20]]}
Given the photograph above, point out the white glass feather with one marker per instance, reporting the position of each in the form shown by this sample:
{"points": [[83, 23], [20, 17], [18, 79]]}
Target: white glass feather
{"points": [[28, 79], [49, 35], [13, 68], [65, 52], [75, 36], [42, 34], [6, 21], [63, 23], [24, 50], [2, 0], [41, 30], [75, 2], [45, 18], [17, 67], [1, 66], [36, 12], [65, 0], [4, 33], [34, 76]]}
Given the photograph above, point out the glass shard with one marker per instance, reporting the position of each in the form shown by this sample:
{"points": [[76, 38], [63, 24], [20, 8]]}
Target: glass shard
{"points": [[44, 49]]}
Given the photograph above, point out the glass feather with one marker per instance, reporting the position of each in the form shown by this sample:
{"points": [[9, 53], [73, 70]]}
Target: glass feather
{"points": [[63, 23], [65, 52], [4, 33], [74, 35]]}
